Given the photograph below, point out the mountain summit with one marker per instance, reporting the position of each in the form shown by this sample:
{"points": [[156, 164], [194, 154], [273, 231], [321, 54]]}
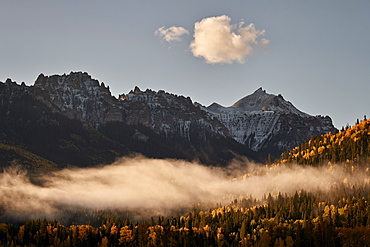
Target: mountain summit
{"points": [[262, 101], [269, 124]]}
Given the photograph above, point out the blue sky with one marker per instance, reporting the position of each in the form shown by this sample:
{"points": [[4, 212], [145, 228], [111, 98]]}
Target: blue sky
{"points": [[317, 54]]}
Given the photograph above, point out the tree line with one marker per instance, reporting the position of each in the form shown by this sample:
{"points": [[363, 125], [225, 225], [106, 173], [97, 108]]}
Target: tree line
{"points": [[350, 144], [303, 219]]}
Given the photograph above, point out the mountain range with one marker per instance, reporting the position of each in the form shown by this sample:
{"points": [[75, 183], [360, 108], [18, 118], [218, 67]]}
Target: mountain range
{"points": [[73, 120]]}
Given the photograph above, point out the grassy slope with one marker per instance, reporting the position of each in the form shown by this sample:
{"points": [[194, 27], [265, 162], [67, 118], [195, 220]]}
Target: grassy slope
{"points": [[12, 155]]}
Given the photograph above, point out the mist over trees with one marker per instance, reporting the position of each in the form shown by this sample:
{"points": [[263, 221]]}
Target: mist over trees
{"points": [[303, 219], [330, 208]]}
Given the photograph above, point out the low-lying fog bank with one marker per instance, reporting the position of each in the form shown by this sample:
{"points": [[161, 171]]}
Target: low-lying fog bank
{"points": [[160, 186]]}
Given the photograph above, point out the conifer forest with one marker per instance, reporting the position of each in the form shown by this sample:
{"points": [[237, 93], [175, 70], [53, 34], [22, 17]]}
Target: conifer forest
{"points": [[336, 217]]}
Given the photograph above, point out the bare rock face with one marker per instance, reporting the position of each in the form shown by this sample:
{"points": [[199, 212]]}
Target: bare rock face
{"points": [[268, 124], [78, 96], [168, 114]]}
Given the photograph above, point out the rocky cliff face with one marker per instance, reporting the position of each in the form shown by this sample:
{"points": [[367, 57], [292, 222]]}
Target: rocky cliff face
{"points": [[79, 96], [168, 114], [268, 124]]}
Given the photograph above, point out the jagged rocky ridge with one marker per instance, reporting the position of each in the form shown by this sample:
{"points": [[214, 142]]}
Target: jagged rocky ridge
{"points": [[162, 125], [74, 120], [79, 96]]}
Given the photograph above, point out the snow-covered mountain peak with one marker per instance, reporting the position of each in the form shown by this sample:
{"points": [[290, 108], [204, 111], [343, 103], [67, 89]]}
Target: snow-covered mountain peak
{"points": [[268, 123], [265, 102], [255, 101]]}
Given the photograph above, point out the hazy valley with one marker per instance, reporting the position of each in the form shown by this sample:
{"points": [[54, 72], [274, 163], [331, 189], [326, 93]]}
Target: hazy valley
{"points": [[81, 167]]}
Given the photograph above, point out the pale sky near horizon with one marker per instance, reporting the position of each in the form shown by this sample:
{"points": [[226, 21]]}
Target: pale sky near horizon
{"points": [[315, 53]]}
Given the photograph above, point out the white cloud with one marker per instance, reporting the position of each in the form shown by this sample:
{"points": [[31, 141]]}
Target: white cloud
{"points": [[265, 41], [171, 34], [217, 41]]}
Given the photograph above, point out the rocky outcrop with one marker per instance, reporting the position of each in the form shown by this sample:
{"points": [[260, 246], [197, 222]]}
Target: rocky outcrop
{"points": [[78, 96]]}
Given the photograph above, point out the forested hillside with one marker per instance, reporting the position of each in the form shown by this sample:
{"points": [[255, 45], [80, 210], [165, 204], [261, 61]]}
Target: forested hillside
{"points": [[304, 219], [351, 144], [338, 216], [14, 156]]}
